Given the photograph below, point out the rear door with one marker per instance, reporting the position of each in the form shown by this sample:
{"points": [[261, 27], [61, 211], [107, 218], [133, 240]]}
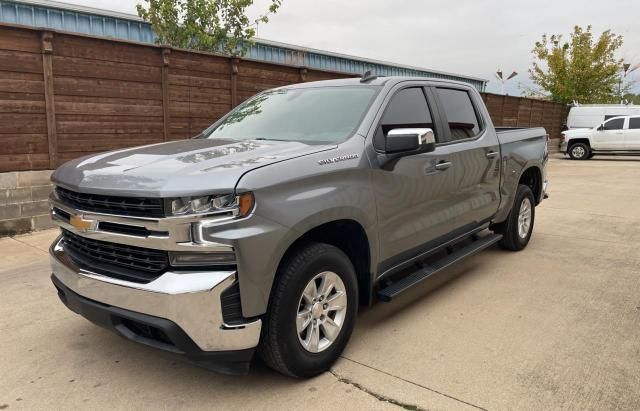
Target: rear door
{"points": [[473, 150], [610, 135], [632, 134]]}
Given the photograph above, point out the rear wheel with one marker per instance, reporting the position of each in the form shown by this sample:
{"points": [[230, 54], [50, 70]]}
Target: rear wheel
{"points": [[579, 151], [517, 228], [311, 313]]}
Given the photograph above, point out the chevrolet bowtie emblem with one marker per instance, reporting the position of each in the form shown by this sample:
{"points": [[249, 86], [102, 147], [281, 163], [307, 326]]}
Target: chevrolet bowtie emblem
{"points": [[81, 224]]}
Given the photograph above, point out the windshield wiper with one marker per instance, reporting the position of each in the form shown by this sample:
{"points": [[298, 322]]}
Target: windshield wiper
{"points": [[268, 139]]}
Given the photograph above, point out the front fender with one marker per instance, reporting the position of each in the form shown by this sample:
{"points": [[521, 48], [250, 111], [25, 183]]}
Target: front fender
{"points": [[294, 197]]}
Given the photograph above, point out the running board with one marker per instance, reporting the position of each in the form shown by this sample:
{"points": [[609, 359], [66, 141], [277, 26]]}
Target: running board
{"points": [[391, 291]]}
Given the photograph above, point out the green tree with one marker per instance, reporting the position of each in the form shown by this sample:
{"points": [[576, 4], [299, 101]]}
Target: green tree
{"points": [[208, 25], [632, 98], [583, 69]]}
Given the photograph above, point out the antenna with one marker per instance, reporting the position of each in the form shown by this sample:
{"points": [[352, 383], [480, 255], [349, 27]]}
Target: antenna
{"points": [[367, 77]]}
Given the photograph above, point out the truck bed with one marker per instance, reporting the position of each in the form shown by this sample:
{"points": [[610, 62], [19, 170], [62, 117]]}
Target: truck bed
{"points": [[511, 134]]}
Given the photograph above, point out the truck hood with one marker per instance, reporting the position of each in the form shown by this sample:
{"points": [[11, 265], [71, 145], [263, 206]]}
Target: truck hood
{"points": [[577, 132], [176, 169]]}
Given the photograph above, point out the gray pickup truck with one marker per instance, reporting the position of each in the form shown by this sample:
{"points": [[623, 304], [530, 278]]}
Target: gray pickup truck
{"points": [[268, 230]]}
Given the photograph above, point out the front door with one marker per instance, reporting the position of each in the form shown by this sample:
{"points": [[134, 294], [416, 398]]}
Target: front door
{"points": [[474, 152], [610, 135]]}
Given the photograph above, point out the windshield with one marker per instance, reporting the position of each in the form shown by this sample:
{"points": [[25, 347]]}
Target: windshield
{"points": [[313, 115]]}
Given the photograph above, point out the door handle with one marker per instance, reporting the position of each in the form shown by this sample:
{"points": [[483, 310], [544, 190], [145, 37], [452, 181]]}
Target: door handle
{"points": [[443, 165], [492, 154]]}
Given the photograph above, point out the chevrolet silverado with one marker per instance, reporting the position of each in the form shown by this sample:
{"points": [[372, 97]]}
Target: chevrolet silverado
{"points": [[268, 230]]}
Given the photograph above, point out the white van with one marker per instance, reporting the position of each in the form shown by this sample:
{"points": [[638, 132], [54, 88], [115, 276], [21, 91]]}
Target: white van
{"points": [[591, 115]]}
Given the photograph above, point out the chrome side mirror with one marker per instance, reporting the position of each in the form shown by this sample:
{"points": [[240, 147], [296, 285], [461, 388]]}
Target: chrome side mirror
{"points": [[410, 140]]}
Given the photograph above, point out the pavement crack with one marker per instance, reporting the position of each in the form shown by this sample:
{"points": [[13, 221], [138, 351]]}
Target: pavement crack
{"points": [[28, 245], [416, 384], [376, 395]]}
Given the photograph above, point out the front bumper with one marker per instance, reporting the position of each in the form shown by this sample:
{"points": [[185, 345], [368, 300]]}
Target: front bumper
{"points": [[545, 189], [185, 307], [563, 147]]}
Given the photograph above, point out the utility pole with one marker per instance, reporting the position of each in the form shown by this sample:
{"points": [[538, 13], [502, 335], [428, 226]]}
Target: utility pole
{"points": [[626, 69]]}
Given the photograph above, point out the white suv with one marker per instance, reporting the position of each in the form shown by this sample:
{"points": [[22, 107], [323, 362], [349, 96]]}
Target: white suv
{"points": [[618, 135]]}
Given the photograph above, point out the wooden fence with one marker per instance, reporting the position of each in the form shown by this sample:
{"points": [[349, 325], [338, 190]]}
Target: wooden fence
{"points": [[66, 95], [510, 111]]}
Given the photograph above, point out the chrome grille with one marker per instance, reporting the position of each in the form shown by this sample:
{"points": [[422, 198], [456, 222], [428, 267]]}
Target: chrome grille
{"points": [[127, 206]]}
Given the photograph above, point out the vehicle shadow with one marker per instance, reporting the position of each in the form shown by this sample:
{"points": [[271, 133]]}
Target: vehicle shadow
{"points": [[622, 158], [603, 158], [123, 362], [426, 293]]}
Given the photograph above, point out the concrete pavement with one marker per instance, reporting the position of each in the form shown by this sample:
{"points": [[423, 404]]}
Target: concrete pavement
{"points": [[554, 326]]}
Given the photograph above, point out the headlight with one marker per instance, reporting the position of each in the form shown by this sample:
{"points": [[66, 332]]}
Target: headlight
{"points": [[240, 205]]}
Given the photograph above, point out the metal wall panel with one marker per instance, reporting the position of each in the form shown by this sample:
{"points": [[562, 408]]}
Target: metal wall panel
{"points": [[37, 15]]}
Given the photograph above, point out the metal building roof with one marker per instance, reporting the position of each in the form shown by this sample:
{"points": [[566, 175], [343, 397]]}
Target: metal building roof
{"points": [[77, 19], [97, 22], [276, 52]]}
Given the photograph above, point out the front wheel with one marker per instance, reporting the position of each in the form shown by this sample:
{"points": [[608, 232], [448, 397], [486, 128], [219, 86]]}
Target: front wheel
{"points": [[517, 228], [311, 312], [579, 151]]}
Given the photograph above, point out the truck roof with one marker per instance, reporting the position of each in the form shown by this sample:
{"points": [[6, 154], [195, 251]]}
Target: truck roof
{"points": [[377, 81]]}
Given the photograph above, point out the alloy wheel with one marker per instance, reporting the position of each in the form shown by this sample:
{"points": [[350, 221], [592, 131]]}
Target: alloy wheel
{"points": [[578, 151], [524, 218], [321, 311]]}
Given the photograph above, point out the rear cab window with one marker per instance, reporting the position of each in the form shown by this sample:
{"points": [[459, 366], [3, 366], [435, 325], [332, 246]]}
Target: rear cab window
{"points": [[460, 113], [634, 123]]}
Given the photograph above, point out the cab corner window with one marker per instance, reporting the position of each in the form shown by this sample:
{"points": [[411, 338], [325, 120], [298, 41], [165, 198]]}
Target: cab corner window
{"points": [[407, 109], [460, 113]]}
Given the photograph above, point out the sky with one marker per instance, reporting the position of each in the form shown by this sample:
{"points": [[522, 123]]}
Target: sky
{"points": [[469, 37]]}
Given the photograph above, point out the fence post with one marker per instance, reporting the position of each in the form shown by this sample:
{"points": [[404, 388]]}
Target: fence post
{"points": [[234, 81], [165, 92], [49, 101]]}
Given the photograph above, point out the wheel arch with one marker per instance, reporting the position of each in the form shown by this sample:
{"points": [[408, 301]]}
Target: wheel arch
{"points": [[583, 140], [532, 177], [531, 172], [348, 235]]}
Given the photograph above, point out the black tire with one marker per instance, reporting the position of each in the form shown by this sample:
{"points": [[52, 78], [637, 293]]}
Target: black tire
{"points": [[511, 239], [280, 347], [579, 151], [591, 154]]}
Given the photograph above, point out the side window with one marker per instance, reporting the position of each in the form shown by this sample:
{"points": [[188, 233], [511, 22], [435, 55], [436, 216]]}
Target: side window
{"points": [[634, 122], [615, 124], [460, 113], [407, 109]]}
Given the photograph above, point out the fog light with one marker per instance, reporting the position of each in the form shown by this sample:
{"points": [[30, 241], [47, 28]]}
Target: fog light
{"points": [[201, 259]]}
